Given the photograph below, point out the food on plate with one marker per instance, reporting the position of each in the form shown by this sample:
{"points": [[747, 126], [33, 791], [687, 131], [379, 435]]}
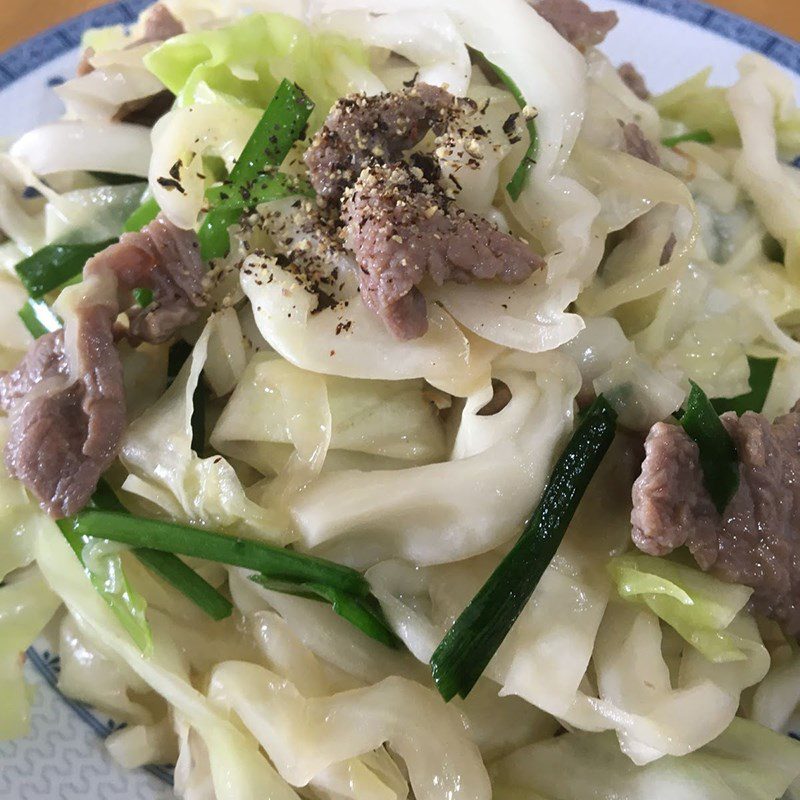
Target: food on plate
{"points": [[397, 405]]}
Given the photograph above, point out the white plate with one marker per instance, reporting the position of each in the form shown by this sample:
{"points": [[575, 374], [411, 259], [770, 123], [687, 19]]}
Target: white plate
{"points": [[668, 40]]}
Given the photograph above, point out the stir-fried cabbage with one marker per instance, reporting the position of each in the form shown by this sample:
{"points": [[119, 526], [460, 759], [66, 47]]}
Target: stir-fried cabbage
{"points": [[416, 461]]}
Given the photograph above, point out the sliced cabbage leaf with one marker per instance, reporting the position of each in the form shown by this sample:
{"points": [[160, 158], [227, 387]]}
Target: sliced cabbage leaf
{"points": [[26, 606], [238, 770], [698, 606], [172, 478], [304, 736], [242, 63], [391, 419], [697, 105], [498, 465], [746, 761]]}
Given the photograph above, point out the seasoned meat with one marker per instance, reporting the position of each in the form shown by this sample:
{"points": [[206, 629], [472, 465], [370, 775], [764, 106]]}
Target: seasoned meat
{"points": [[576, 22], [381, 127], [65, 433], [635, 143], [165, 259], [66, 399], [634, 80], [160, 24], [756, 542], [669, 249], [403, 228]]}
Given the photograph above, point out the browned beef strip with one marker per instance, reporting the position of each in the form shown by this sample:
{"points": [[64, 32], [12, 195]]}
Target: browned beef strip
{"points": [[635, 143], [159, 25], [576, 22], [165, 259], [67, 404], [380, 127], [65, 433], [634, 80], [756, 542], [401, 228]]}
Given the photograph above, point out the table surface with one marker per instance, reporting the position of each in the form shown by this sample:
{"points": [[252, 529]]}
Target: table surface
{"points": [[23, 18]]}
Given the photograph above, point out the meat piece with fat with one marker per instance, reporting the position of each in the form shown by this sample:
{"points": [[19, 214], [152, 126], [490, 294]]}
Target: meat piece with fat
{"points": [[756, 541]]}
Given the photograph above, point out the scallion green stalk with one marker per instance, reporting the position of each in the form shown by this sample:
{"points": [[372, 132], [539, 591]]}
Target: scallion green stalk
{"points": [[476, 635]]}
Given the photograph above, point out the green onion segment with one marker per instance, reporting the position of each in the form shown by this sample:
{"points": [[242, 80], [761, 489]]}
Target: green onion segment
{"points": [[520, 176], [474, 638], [718, 457], [143, 215], [703, 136], [39, 318], [761, 373], [363, 613], [184, 540], [281, 125], [55, 265]]}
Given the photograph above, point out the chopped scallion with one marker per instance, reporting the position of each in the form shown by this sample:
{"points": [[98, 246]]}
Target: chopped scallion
{"points": [[184, 540], [520, 176], [702, 136], [364, 613], [39, 318], [761, 372], [474, 638], [143, 297], [55, 265], [143, 215], [718, 457]]}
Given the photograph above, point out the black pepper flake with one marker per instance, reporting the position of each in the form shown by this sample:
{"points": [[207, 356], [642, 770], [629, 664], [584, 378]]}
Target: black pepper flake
{"points": [[170, 183]]}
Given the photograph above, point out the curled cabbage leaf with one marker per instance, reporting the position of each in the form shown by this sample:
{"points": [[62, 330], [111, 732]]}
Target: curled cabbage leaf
{"points": [[237, 768], [698, 606], [304, 736], [499, 465], [745, 761], [169, 475], [386, 419], [26, 605]]}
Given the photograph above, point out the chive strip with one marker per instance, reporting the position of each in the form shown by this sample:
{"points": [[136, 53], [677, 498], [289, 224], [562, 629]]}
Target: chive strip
{"points": [[718, 457], [761, 374], [522, 172], [39, 318], [237, 200], [182, 577], [363, 613], [474, 638], [143, 215], [283, 123], [185, 540], [143, 297], [127, 604], [54, 265], [703, 136], [166, 565]]}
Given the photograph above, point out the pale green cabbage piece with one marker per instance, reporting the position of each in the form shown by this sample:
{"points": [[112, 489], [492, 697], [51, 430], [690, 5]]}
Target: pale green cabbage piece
{"points": [[698, 105], [244, 62], [698, 606], [26, 606], [747, 762]]}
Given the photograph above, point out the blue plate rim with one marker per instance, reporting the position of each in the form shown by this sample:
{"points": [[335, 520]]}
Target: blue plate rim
{"points": [[54, 42], [48, 45]]}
